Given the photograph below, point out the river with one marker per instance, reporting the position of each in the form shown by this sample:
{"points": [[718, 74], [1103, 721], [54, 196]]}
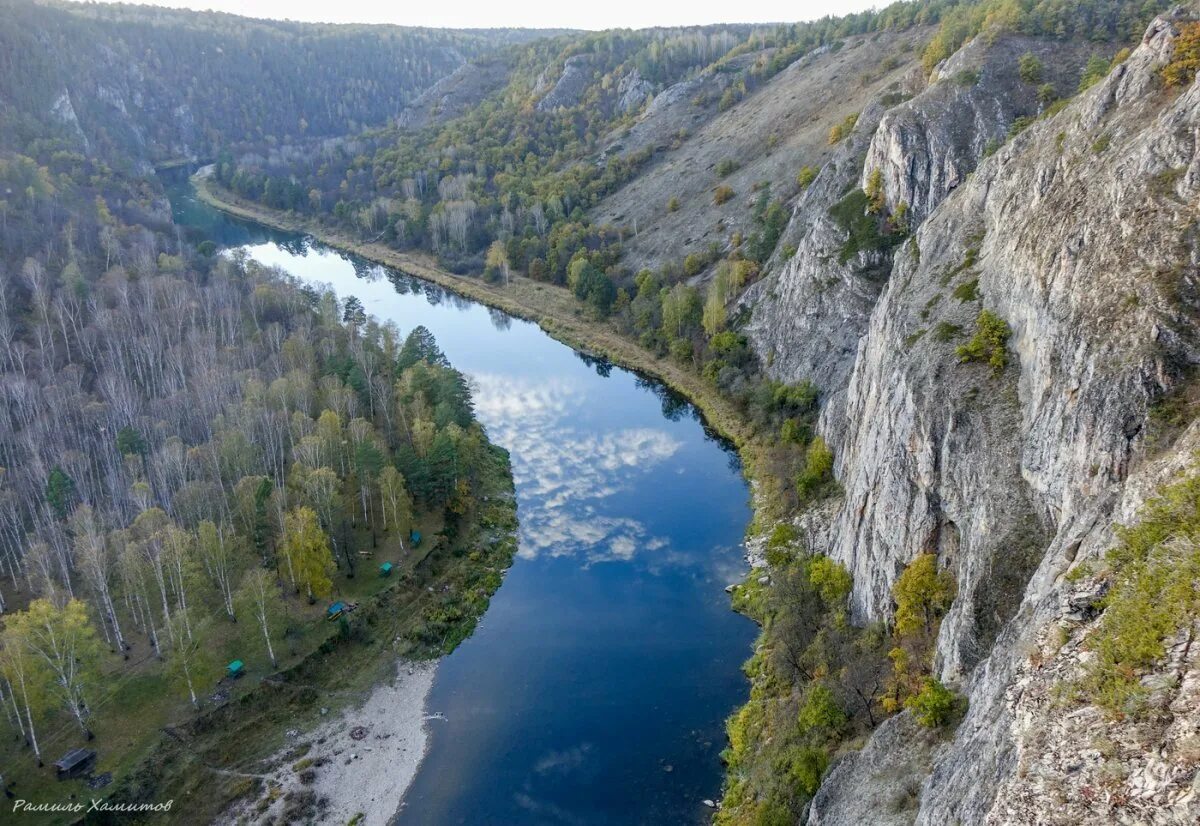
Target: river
{"points": [[595, 689]]}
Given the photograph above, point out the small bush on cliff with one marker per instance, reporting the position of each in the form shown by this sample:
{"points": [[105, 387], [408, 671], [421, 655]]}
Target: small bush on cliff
{"points": [[805, 177], [934, 705], [1185, 61], [876, 197], [816, 479], [923, 594], [722, 194], [1155, 568], [1094, 72], [989, 344], [967, 291], [842, 130], [866, 232], [1030, 68]]}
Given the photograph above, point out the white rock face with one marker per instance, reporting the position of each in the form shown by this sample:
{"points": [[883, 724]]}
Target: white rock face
{"points": [[64, 110], [1081, 233], [570, 86]]}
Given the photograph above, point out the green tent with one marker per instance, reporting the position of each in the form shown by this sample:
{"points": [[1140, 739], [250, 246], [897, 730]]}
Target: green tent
{"points": [[236, 668], [385, 569]]}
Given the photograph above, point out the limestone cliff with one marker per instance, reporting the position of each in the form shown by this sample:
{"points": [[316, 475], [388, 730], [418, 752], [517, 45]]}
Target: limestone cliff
{"points": [[1080, 232]]}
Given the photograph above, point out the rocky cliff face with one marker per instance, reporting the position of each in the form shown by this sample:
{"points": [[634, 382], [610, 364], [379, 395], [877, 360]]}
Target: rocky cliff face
{"points": [[1081, 233]]}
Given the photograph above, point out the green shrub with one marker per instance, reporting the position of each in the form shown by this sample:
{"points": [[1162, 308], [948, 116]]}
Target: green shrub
{"points": [[805, 176], [726, 167], [807, 767], [966, 77], [840, 131], [681, 350], [1047, 94], [693, 264], [782, 535], [832, 581], [1020, 125], [821, 712], [1094, 72], [1102, 143], [794, 432], [945, 331], [967, 291], [722, 194], [1030, 68], [876, 197], [989, 342], [817, 476], [1155, 566], [864, 233], [923, 595], [934, 705], [673, 204]]}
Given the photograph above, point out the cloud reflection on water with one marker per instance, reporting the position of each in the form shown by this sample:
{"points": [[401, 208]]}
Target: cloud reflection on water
{"points": [[564, 472]]}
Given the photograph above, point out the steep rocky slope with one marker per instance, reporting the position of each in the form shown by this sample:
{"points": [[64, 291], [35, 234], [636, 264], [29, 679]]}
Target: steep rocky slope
{"points": [[769, 135], [818, 303], [1079, 232]]}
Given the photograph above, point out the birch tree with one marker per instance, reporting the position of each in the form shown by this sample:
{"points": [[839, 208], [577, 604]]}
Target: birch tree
{"points": [[260, 597], [307, 548], [217, 549], [27, 681], [64, 641]]}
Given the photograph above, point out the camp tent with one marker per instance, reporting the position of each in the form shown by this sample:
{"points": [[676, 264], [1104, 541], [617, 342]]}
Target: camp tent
{"points": [[385, 569], [236, 669], [415, 538], [336, 610]]}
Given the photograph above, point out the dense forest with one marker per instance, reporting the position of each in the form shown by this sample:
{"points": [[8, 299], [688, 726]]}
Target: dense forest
{"points": [[196, 452], [141, 83]]}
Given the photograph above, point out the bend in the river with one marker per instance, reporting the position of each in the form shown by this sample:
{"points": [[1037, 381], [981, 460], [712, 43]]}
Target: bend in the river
{"points": [[595, 689]]}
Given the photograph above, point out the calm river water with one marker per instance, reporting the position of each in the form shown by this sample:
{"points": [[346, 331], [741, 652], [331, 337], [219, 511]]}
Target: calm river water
{"points": [[595, 688]]}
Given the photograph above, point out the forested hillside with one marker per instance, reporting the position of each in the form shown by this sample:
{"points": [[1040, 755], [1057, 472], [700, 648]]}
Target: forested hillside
{"points": [[149, 84], [196, 453]]}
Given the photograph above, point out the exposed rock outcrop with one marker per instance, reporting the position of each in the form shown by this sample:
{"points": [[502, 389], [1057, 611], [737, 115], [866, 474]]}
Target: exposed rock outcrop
{"points": [[568, 89], [454, 94], [927, 146], [808, 320], [632, 92], [1081, 234]]}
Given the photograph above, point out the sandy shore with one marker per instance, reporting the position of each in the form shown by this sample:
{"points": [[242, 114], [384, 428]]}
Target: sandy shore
{"points": [[359, 763]]}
